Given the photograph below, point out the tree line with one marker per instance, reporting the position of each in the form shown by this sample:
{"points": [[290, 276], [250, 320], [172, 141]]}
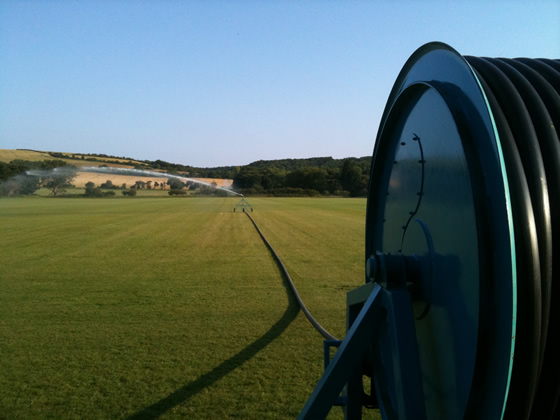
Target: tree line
{"points": [[22, 177], [333, 169], [351, 178], [284, 177]]}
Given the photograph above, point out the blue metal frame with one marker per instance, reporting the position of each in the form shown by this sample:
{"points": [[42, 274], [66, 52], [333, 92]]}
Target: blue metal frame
{"points": [[327, 345], [384, 326]]}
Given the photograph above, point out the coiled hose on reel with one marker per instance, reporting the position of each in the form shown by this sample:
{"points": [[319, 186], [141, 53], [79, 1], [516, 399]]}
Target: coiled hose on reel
{"points": [[459, 312], [467, 159], [524, 96]]}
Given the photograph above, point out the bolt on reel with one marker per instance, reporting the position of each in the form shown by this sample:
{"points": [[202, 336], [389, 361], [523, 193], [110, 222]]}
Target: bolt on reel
{"points": [[456, 318]]}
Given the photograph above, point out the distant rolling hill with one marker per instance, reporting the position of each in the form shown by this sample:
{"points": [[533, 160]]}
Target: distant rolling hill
{"points": [[81, 160]]}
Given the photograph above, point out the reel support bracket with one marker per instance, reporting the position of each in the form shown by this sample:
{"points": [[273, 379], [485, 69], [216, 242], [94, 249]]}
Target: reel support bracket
{"points": [[380, 325]]}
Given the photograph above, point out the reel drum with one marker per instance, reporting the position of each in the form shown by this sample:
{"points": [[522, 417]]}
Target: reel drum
{"points": [[439, 193], [456, 319], [465, 181]]}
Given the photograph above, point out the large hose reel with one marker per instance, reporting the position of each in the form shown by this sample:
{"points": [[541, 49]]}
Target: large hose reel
{"points": [[458, 313]]}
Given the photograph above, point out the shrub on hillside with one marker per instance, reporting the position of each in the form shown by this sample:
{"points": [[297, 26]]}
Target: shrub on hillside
{"points": [[19, 185], [108, 185], [177, 192], [93, 191], [130, 193], [175, 184], [294, 192]]}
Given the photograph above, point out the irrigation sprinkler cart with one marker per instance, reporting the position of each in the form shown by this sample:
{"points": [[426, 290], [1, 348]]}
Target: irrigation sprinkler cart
{"points": [[458, 249], [243, 204]]}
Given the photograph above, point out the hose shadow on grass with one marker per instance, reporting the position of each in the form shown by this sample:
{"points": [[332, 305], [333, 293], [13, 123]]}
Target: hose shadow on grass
{"points": [[227, 366]]}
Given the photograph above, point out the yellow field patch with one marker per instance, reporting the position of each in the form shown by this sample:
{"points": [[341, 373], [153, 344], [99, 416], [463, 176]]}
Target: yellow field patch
{"points": [[84, 177], [219, 182], [7, 155]]}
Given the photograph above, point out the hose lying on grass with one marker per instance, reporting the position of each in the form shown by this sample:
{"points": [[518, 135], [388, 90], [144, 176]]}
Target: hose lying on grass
{"points": [[316, 325]]}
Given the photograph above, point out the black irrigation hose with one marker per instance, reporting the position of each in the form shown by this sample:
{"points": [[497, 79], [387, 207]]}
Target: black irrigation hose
{"points": [[318, 327], [524, 99]]}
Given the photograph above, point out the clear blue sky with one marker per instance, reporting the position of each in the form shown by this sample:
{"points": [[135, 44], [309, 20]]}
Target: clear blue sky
{"points": [[214, 83]]}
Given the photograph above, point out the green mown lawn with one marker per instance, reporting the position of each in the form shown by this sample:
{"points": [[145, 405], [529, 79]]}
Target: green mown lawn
{"points": [[169, 307]]}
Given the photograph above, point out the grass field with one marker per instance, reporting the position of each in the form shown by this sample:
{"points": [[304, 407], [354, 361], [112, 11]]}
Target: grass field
{"points": [[169, 308], [7, 155]]}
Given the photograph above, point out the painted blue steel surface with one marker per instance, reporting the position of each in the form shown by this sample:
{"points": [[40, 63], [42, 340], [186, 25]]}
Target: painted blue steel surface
{"points": [[439, 222], [447, 334], [438, 177], [345, 360], [386, 320]]}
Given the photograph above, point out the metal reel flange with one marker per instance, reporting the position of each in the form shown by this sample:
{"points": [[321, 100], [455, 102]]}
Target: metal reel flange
{"points": [[439, 194], [457, 316]]}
